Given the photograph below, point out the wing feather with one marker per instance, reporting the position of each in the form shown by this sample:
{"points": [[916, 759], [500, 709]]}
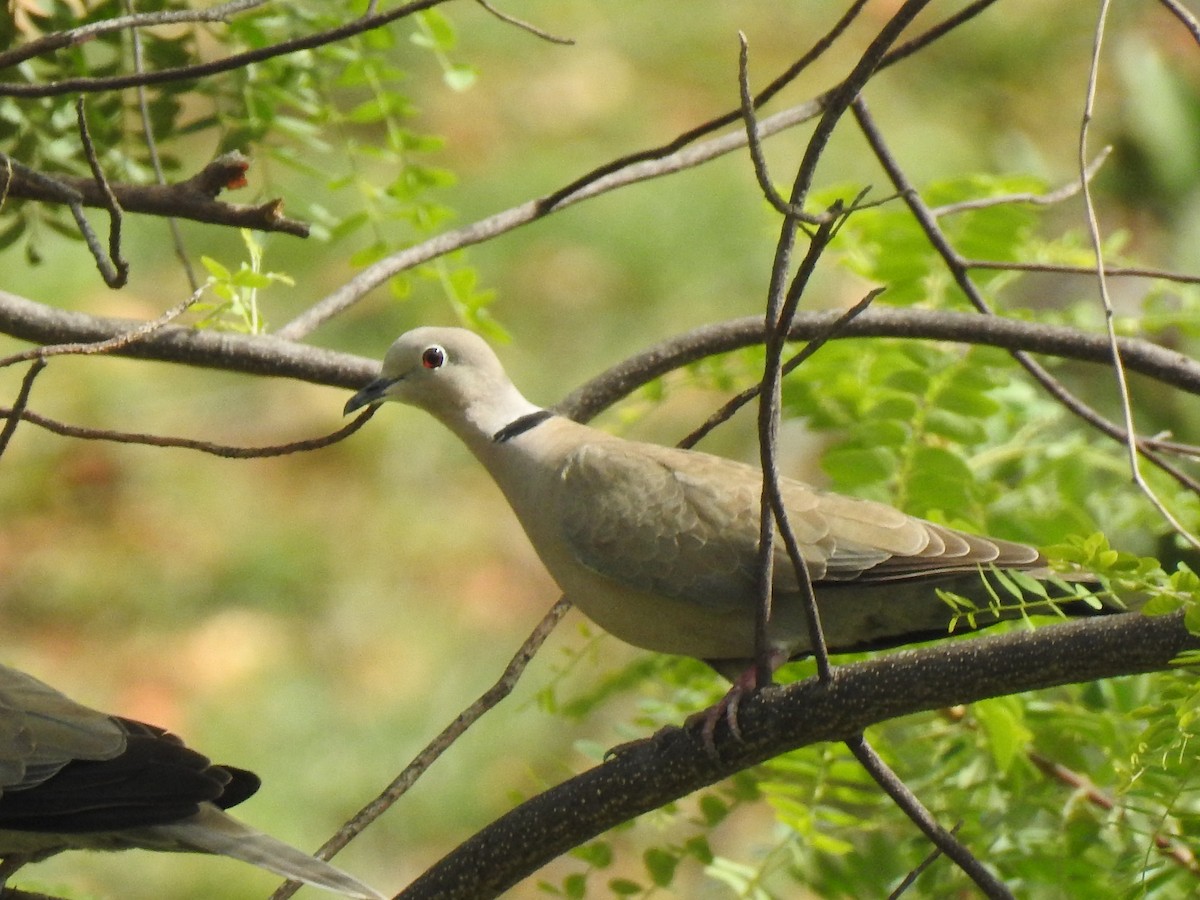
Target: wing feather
{"points": [[684, 525]]}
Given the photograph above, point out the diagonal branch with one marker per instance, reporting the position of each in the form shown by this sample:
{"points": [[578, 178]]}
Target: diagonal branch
{"points": [[680, 153], [675, 763]]}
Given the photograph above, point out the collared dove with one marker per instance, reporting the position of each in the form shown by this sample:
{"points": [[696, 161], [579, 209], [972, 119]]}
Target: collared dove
{"points": [[73, 778], [658, 545]]}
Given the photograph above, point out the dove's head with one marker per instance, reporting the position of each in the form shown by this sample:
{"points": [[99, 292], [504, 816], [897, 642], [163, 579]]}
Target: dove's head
{"points": [[451, 373]]}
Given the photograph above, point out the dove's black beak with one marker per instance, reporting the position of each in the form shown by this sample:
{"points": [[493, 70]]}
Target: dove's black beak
{"points": [[373, 393]]}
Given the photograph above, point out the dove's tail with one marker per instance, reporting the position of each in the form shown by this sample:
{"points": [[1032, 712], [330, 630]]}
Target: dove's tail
{"points": [[214, 831]]}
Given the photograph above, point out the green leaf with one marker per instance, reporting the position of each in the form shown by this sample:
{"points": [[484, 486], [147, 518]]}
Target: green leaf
{"points": [[661, 865], [624, 887], [215, 269], [598, 854], [575, 886], [713, 809], [852, 466], [1002, 720], [460, 77]]}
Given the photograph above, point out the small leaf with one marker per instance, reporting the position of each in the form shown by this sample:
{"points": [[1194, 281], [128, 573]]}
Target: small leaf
{"points": [[713, 808], [215, 269], [661, 865], [624, 887], [598, 854], [460, 77]]}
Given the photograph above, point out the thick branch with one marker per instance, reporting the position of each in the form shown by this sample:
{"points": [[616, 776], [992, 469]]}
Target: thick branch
{"points": [[1142, 356], [193, 199], [251, 354], [674, 763], [267, 355]]}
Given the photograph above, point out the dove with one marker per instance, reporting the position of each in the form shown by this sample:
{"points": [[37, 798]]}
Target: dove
{"points": [[74, 778], [659, 545]]}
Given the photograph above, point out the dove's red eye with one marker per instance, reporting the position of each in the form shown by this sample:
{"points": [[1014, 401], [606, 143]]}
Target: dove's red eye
{"points": [[433, 357]]}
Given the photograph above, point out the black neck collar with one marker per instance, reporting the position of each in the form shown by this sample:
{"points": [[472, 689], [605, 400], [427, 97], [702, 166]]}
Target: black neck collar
{"points": [[521, 424]]}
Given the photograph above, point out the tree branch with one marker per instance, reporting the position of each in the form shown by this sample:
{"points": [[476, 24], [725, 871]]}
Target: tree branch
{"points": [[89, 85], [191, 199], [674, 762], [269, 355]]}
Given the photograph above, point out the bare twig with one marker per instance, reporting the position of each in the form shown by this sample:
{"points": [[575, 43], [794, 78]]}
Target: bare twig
{"points": [[1048, 199], [1077, 781], [358, 287], [733, 404], [1184, 15], [160, 177], [944, 840], [226, 451], [754, 142], [1135, 451], [89, 85], [427, 757], [107, 345], [74, 36], [18, 407], [525, 26], [782, 301], [774, 512], [1063, 269], [723, 120], [911, 878], [114, 269]]}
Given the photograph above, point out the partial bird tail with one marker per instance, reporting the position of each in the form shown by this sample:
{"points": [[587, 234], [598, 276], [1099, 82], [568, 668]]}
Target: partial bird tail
{"points": [[213, 831]]}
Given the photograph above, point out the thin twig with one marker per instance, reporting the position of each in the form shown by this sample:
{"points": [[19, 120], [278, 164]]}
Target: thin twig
{"points": [[1185, 16], [911, 878], [91, 85], [1047, 199], [107, 345], [1093, 227], [116, 273], [135, 37], [58, 190], [735, 403], [525, 26], [754, 141], [723, 120], [226, 451], [1064, 269], [782, 300], [435, 748], [1172, 849], [18, 407], [76, 36], [923, 819]]}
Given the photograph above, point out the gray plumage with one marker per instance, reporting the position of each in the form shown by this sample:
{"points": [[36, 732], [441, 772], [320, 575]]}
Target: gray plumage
{"points": [[74, 778], [659, 545]]}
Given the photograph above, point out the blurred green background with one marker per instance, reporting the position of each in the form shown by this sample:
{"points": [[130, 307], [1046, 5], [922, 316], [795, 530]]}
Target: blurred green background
{"points": [[318, 618]]}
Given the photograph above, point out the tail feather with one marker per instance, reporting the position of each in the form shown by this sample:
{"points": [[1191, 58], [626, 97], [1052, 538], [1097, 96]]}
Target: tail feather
{"points": [[214, 831]]}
